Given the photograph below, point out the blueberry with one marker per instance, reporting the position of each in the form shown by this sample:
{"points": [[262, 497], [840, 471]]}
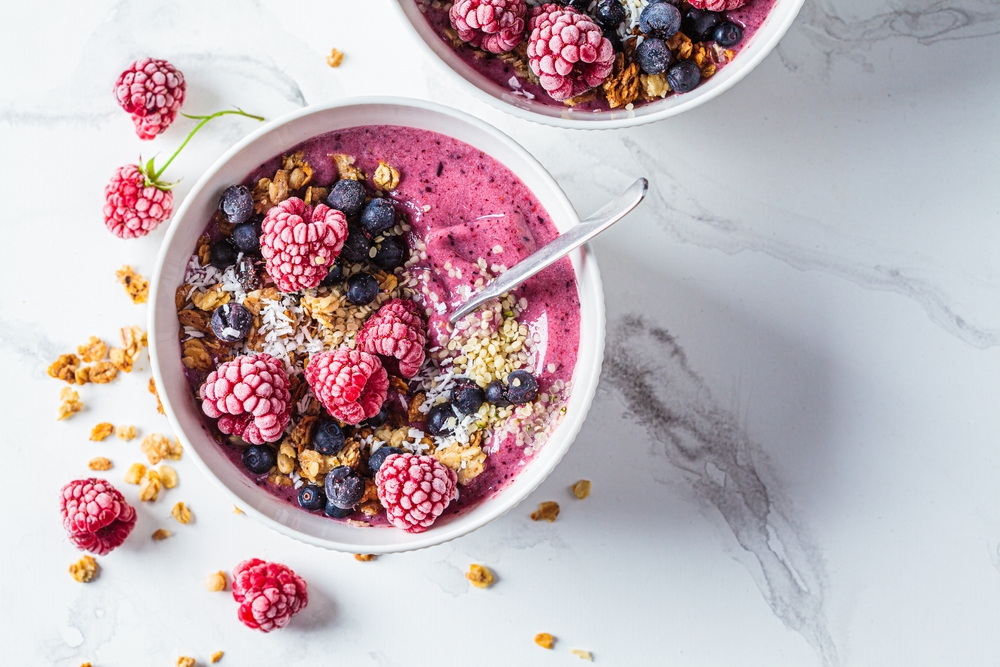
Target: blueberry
{"points": [[378, 419], [237, 204], [334, 275], [653, 55], [438, 417], [328, 438], [389, 255], [246, 239], [578, 5], [684, 76], [700, 23], [247, 275], [496, 393], [335, 512], [611, 34], [356, 246], [258, 459], [223, 254], [610, 13], [231, 322], [311, 498], [467, 396], [362, 288], [728, 34], [378, 216], [347, 196], [379, 456], [661, 20], [522, 387], [344, 487]]}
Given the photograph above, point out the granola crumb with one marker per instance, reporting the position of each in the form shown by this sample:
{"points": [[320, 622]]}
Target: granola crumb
{"points": [[84, 570], [70, 403], [158, 447], [161, 534], [581, 489], [136, 286], [480, 576], [100, 463], [149, 486], [237, 510], [386, 177], [168, 476], [216, 582], [93, 350], [125, 433], [216, 657], [185, 661], [583, 655], [64, 368], [346, 168], [102, 372], [86, 664], [181, 513], [545, 640], [152, 390], [135, 473], [365, 557], [547, 511], [333, 60], [101, 431]]}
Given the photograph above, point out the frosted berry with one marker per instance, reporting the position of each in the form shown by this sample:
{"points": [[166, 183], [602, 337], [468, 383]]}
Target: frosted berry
{"points": [[96, 515], [344, 487], [247, 275], [567, 51], [397, 331], [610, 13], [699, 24], [311, 498], [653, 56], [362, 288], [259, 459], [335, 512], [334, 275], [236, 203], [717, 5], [269, 594], [356, 246], [415, 490], [379, 419], [347, 196], [152, 91], [351, 384], [379, 456], [299, 243], [246, 239], [496, 393], [728, 34], [660, 19], [389, 254], [250, 398], [522, 387], [223, 254], [684, 76], [378, 216], [328, 438], [496, 26], [441, 419], [467, 396], [231, 322], [131, 207]]}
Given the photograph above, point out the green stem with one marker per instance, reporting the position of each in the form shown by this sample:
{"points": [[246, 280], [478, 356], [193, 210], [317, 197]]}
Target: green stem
{"points": [[204, 119]]}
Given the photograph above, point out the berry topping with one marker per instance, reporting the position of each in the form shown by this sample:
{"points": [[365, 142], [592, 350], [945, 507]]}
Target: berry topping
{"points": [[356, 246], [95, 515], [250, 398], [653, 56], [300, 242], [347, 196], [684, 76], [223, 254], [269, 594], [311, 498], [231, 322], [379, 419], [236, 203], [328, 438], [389, 254], [351, 384], [610, 13], [259, 459], [717, 5], [335, 512], [660, 19], [344, 487], [378, 216], [441, 419], [522, 387], [578, 5], [131, 207], [567, 51], [152, 90], [728, 34], [379, 456], [415, 490], [247, 275], [246, 239], [699, 24], [397, 331], [496, 393], [334, 275], [467, 396], [362, 288], [496, 26]]}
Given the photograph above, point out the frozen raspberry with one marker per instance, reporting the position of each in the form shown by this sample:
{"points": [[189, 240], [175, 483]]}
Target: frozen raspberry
{"points": [[717, 5], [95, 515], [132, 208], [398, 331], [250, 398], [351, 384], [269, 594], [496, 26], [567, 51], [415, 490], [152, 91], [300, 243]]}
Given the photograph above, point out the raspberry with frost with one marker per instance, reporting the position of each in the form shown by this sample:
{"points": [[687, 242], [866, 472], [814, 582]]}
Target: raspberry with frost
{"points": [[717, 5], [96, 515], [351, 384], [250, 398], [269, 594], [567, 51], [398, 331], [415, 490], [152, 91], [300, 243], [496, 26]]}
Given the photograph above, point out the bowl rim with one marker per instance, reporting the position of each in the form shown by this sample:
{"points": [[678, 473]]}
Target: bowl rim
{"points": [[588, 280], [626, 120]]}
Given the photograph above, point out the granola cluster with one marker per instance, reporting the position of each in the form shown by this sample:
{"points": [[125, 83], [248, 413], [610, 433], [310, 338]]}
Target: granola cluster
{"points": [[96, 363]]}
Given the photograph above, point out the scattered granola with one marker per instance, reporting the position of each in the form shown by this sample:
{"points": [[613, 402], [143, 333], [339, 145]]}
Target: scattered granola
{"points": [[152, 390], [545, 640], [157, 447], [185, 661], [237, 510], [346, 168], [149, 486], [480, 576], [135, 473], [101, 431], [216, 657], [181, 513], [583, 655], [385, 178], [547, 511], [70, 403], [581, 489], [159, 535], [64, 368], [136, 286], [93, 350], [125, 433], [216, 582], [84, 570], [103, 372], [365, 557], [99, 463], [335, 58], [168, 476]]}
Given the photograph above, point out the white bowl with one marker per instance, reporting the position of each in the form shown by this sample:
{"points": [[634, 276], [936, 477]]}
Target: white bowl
{"points": [[189, 221], [766, 38]]}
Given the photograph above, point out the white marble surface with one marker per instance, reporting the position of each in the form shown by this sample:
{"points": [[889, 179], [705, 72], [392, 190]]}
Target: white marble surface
{"points": [[794, 446]]}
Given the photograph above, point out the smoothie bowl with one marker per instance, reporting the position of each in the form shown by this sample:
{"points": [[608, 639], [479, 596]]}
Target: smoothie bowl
{"points": [[300, 335], [598, 63]]}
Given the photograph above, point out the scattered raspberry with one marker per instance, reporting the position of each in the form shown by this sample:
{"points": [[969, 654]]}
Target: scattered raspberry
{"points": [[398, 331], [269, 594], [250, 398], [717, 5], [496, 26], [132, 208], [567, 51], [300, 243], [152, 91], [415, 490], [351, 384], [95, 515]]}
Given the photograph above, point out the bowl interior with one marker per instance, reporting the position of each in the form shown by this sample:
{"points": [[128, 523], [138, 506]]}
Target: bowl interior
{"points": [[188, 224], [502, 97]]}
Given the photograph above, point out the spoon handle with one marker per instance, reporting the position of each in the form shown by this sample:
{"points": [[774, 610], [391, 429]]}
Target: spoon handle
{"points": [[554, 250]]}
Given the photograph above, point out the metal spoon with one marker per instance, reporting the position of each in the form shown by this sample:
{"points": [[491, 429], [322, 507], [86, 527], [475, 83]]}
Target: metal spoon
{"points": [[554, 250]]}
